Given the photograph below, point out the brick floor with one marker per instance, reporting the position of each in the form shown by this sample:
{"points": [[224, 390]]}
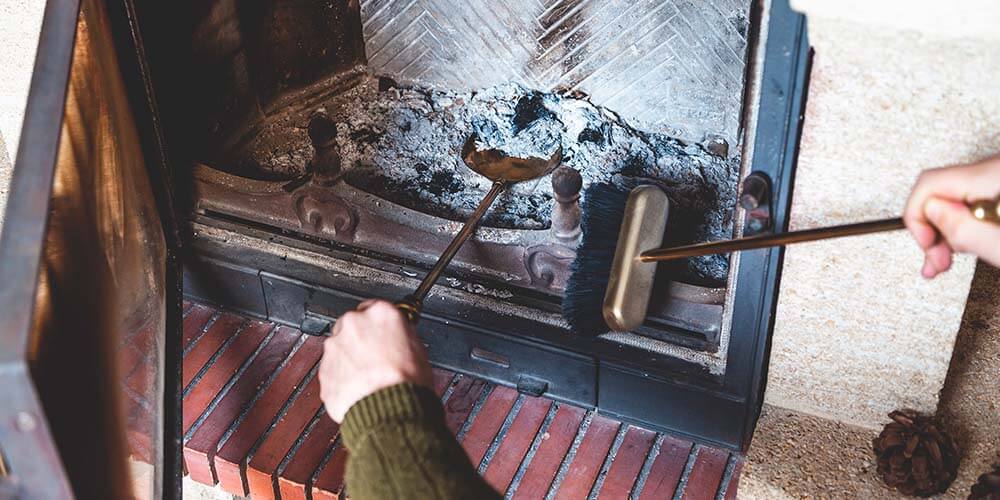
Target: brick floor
{"points": [[259, 433]]}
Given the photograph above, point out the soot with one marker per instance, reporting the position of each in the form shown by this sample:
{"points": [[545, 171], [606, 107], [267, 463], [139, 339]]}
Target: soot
{"points": [[403, 144]]}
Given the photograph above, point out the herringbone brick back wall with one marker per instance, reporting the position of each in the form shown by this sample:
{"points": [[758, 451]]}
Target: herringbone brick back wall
{"points": [[674, 66]]}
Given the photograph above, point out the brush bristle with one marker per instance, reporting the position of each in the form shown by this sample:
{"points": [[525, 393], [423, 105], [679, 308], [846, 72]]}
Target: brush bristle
{"points": [[603, 210]]}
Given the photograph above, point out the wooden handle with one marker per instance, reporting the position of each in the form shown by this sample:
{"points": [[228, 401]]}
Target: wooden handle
{"points": [[410, 306]]}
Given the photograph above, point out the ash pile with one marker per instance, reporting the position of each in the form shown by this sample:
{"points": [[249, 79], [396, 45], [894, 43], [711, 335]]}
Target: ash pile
{"points": [[403, 144]]}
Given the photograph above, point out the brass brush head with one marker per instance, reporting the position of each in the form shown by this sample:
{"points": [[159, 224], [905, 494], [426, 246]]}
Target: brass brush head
{"points": [[631, 282]]}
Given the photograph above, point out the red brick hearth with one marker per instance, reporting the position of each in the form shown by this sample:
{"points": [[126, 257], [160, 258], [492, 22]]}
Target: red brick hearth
{"points": [[254, 423]]}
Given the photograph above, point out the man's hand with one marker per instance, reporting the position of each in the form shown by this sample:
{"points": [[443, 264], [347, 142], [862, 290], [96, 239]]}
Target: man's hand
{"points": [[370, 349], [938, 217]]}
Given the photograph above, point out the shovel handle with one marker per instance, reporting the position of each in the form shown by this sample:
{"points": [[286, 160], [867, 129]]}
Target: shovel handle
{"points": [[412, 304]]}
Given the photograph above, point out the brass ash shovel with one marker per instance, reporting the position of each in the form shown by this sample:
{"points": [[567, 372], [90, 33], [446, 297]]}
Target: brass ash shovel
{"points": [[504, 171]]}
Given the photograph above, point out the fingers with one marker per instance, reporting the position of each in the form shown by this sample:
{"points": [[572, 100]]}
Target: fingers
{"points": [[365, 304], [952, 221], [960, 232], [336, 328], [343, 322], [922, 232], [381, 311], [378, 307], [327, 379], [946, 183], [939, 221], [384, 311], [937, 259]]}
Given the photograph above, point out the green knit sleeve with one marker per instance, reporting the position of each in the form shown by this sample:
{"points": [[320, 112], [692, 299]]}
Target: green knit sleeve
{"points": [[399, 447]]}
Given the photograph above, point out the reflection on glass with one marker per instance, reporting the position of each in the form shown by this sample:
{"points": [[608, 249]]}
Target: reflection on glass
{"points": [[98, 343]]}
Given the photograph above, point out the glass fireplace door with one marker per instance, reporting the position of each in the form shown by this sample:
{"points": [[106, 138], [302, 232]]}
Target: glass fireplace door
{"points": [[82, 280]]}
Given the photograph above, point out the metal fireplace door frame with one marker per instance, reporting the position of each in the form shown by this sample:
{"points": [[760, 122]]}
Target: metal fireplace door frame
{"points": [[34, 462]]}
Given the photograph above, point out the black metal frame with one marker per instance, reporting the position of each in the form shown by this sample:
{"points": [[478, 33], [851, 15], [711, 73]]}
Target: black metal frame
{"points": [[30, 450], [27, 445], [709, 418], [531, 356], [631, 384]]}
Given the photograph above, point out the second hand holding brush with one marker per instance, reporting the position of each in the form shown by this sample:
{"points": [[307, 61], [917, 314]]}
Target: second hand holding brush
{"points": [[611, 279]]}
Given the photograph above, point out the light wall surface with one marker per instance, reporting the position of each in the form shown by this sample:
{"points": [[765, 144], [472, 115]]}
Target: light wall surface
{"points": [[859, 332], [20, 23]]}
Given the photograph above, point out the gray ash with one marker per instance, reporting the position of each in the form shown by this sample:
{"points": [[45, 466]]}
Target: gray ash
{"points": [[403, 144]]}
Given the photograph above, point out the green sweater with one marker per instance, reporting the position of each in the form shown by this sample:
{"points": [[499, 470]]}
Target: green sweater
{"points": [[400, 448]]}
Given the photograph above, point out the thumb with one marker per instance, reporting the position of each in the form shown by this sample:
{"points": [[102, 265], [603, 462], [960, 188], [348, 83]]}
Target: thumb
{"points": [[963, 232]]}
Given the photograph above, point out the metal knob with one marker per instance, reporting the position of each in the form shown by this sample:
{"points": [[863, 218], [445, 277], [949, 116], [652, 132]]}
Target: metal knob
{"points": [[755, 198], [755, 191], [325, 165], [566, 185]]}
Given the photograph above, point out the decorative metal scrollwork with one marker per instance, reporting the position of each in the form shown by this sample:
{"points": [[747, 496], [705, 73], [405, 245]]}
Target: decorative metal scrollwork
{"points": [[548, 265], [324, 213]]}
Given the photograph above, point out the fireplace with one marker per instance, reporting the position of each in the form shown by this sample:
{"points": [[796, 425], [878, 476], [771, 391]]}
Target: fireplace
{"points": [[326, 170], [301, 156], [318, 187]]}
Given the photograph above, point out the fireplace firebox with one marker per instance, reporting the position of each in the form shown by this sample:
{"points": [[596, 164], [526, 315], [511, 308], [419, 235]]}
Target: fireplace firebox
{"points": [[302, 155], [326, 171]]}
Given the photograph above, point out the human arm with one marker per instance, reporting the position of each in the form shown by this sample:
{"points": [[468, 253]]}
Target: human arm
{"points": [[375, 378]]}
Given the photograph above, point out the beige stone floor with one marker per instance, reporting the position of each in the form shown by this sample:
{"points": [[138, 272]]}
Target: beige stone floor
{"points": [[971, 398], [800, 456], [193, 490]]}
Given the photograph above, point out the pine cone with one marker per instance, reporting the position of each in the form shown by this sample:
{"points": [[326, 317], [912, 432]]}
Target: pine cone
{"points": [[988, 486], [915, 454]]}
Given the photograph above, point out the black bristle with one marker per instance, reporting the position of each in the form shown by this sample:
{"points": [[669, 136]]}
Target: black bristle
{"points": [[603, 210]]}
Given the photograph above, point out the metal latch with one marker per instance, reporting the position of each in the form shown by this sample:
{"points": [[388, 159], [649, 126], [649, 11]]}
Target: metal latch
{"points": [[531, 386], [315, 324], [755, 198]]}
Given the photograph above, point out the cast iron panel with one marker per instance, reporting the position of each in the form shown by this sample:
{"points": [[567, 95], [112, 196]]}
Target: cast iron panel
{"points": [[674, 66], [217, 282], [452, 344]]}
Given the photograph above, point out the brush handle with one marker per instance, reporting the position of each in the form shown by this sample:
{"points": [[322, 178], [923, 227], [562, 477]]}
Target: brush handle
{"points": [[985, 210], [770, 240], [412, 304]]}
